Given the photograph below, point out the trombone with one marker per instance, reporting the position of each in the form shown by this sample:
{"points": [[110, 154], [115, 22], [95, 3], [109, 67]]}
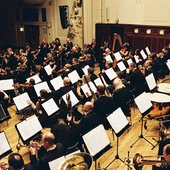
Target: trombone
{"points": [[139, 161]]}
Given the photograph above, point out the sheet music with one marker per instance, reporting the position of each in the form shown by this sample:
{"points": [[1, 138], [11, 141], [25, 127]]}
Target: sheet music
{"points": [[99, 82], [56, 163], [85, 69], [129, 61], [73, 98], [147, 50], [34, 123], [96, 140], [136, 59], [121, 66], [29, 127], [48, 70], [73, 76], [21, 101], [117, 120], [36, 78], [70, 154], [6, 84], [143, 54], [57, 82], [143, 103], [40, 86], [86, 90], [5, 147], [3, 114], [50, 107], [168, 64], [92, 86], [111, 73], [151, 82], [108, 59], [118, 56]]}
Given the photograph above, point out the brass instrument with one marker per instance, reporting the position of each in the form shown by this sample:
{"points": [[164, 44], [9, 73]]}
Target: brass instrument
{"points": [[79, 161], [139, 161]]}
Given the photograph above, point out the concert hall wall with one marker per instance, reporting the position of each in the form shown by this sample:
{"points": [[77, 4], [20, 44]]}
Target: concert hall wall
{"points": [[139, 36]]}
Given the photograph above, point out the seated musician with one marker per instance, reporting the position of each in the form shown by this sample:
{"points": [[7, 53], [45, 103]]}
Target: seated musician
{"points": [[165, 164], [89, 121], [47, 151], [16, 162], [119, 93]]}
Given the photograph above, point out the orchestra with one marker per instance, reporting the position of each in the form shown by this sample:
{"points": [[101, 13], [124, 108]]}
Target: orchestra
{"points": [[94, 105]]}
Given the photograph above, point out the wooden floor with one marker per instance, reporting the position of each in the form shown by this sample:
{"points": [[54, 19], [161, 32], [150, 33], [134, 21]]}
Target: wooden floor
{"points": [[125, 141]]}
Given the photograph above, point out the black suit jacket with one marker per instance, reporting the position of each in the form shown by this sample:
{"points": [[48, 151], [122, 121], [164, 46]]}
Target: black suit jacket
{"points": [[45, 157]]}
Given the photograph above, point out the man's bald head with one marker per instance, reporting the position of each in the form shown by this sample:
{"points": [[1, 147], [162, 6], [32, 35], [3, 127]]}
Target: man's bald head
{"points": [[88, 107], [66, 81]]}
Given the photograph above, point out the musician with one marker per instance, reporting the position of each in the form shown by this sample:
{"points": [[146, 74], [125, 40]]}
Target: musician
{"points": [[16, 162], [64, 134], [68, 44], [76, 66], [149, 69], [121, 96], [125, 50], [103, 105], [91, 74], [47, 151], [166, 157], [137, 80], [89, 121]]}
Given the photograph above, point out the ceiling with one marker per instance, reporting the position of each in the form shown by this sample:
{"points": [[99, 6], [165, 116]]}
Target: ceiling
{"points": [[34, 2]]}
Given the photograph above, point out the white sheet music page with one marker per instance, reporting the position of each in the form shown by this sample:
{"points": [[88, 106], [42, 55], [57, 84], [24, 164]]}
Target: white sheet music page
{"points": [[136, 59], [48, 70], [168, 64], [5, 147], [40, 86], [143, 103], [117, 120], [36, 78], [6, 84], [111, 73], [56, 163], [86, 90], [143, 54], [92, 86], [85, 69], [21, 101], [24, 130], [73, 98], [73, 76], [96, 140], [118, 56], [147, 50], [129, 61], [57, 82], [108, 58], [34, 124], [121, 66], [99, 82], [151, 82], [50, 107]]}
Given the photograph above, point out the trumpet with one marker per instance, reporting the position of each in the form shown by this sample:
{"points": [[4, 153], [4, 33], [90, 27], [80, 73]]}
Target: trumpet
{"points": [[139, 161]]}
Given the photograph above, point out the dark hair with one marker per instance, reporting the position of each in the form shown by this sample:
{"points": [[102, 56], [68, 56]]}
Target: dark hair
{"points": [[101, 89], [90, 70], [16, 161], [32, 81], [43, 93]]}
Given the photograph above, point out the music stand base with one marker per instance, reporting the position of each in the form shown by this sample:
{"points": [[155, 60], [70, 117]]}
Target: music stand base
{"points": [[142, 137], [158, 142], [116, 158]]}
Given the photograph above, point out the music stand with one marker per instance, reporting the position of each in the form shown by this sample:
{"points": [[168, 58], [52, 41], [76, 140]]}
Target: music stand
{"points": [[145, 106], [50, 107], [7, 84], [3, 115], [151, 82], [35, 77], [57, 83], [28, 129], [96, 142], [5, 148], [119, 124], [143, 54]]}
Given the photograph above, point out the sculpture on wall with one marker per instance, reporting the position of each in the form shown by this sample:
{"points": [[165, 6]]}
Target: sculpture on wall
{"points": [[76, 24]]}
